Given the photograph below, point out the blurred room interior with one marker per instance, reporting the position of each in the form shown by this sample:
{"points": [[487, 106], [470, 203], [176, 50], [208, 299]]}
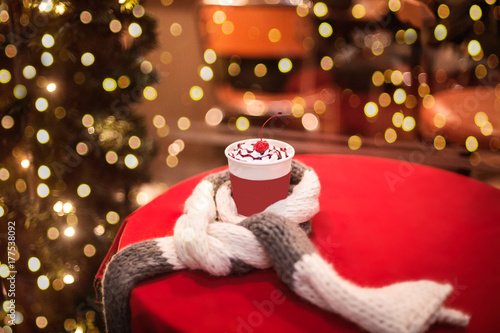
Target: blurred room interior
{"points": [[365, 77]]}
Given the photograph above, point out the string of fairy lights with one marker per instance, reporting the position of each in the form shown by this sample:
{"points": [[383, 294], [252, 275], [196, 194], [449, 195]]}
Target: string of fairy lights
{"points": [[41, 187]]}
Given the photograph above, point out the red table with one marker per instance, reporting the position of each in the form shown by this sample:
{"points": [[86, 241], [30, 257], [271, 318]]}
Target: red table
{"points": [[381, 221]]}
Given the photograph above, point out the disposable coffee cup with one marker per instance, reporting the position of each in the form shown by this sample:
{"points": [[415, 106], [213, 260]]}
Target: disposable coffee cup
{"points": [[255, 183]]}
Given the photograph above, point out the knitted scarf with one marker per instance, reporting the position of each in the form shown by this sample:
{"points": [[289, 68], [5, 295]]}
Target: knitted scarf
{"points": [[211, 236]]}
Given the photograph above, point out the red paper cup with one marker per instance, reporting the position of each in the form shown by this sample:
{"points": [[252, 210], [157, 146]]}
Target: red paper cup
{"points": [[257, 184]]}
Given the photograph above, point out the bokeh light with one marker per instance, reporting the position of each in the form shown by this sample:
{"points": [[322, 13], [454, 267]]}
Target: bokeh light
{"points": [[242, 123], [131, 161], [34, 264], [183, 123], [83, 190], [214, 116], [43, 282], [196, 93], [320, 9], [134, 30], [371, 109], [354, 142]]}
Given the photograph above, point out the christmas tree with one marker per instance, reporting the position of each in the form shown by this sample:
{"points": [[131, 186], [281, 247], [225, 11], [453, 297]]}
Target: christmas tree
{"points": [[72, 151]]}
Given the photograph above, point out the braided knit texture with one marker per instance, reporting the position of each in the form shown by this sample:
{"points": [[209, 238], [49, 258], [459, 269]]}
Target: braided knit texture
{"points": [[211, 236]]}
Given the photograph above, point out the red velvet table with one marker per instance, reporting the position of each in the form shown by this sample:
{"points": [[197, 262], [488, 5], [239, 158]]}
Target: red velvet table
{"points": [[381, 221]]}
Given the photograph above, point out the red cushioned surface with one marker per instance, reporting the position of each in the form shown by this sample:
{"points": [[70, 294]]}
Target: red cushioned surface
{"points": [[381, 221]]}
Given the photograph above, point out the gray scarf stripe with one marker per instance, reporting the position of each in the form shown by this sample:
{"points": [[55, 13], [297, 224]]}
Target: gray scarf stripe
{"points": [[126, 269]]}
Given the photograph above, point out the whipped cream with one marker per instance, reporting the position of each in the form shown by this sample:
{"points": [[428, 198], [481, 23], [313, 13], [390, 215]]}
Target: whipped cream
{"points": [[244, 151]]}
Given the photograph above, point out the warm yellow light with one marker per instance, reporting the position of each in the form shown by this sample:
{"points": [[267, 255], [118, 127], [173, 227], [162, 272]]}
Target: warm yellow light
{"points": [[52, 233], [260, 70], [87, 120], [219, 17], [214, 116], [47, 59], [134, 142], [51, 87], [159, 121], [176, 29], [43, 282], [285, 65], [146, 67], [83, 190], [310, 122], [354, 142], [4, 174], [172, 161], [320, 9], [29, 72], [242, 123], [326, 63], [234, 69], [439, 142], [85, 17], [371, 109], [43, 172], [68, 279], [87, 59], [408, 123], [396, 78], [41, 104], [4, 272], [89, 250], [378, 79], [43, 136], [440, 32], [109, 84], [111, 157], [397, 119], [206, 73], [394, 5], [471, 144], [443, 11], [410, 36], [7, 122], [150, 93], [48, 41], [475, 12], [390, 135], [115, 26], [227, 27], [358, 11], [20, 91], [41, 322], [474, 48], [196, 93], [34, 264], [209, 56], [131, 161], [138, 11], [399, 96], [274, 35], [325, 29], [134, 30], [302, 10], [5, 75], [69, 232]]}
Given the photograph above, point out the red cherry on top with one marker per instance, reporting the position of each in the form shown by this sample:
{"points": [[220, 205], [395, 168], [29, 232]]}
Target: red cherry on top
{"points": [[261, 146]]}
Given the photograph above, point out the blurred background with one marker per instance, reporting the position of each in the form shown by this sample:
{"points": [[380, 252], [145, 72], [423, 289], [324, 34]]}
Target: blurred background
{"points": [[364, 77], [105, 105]]}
